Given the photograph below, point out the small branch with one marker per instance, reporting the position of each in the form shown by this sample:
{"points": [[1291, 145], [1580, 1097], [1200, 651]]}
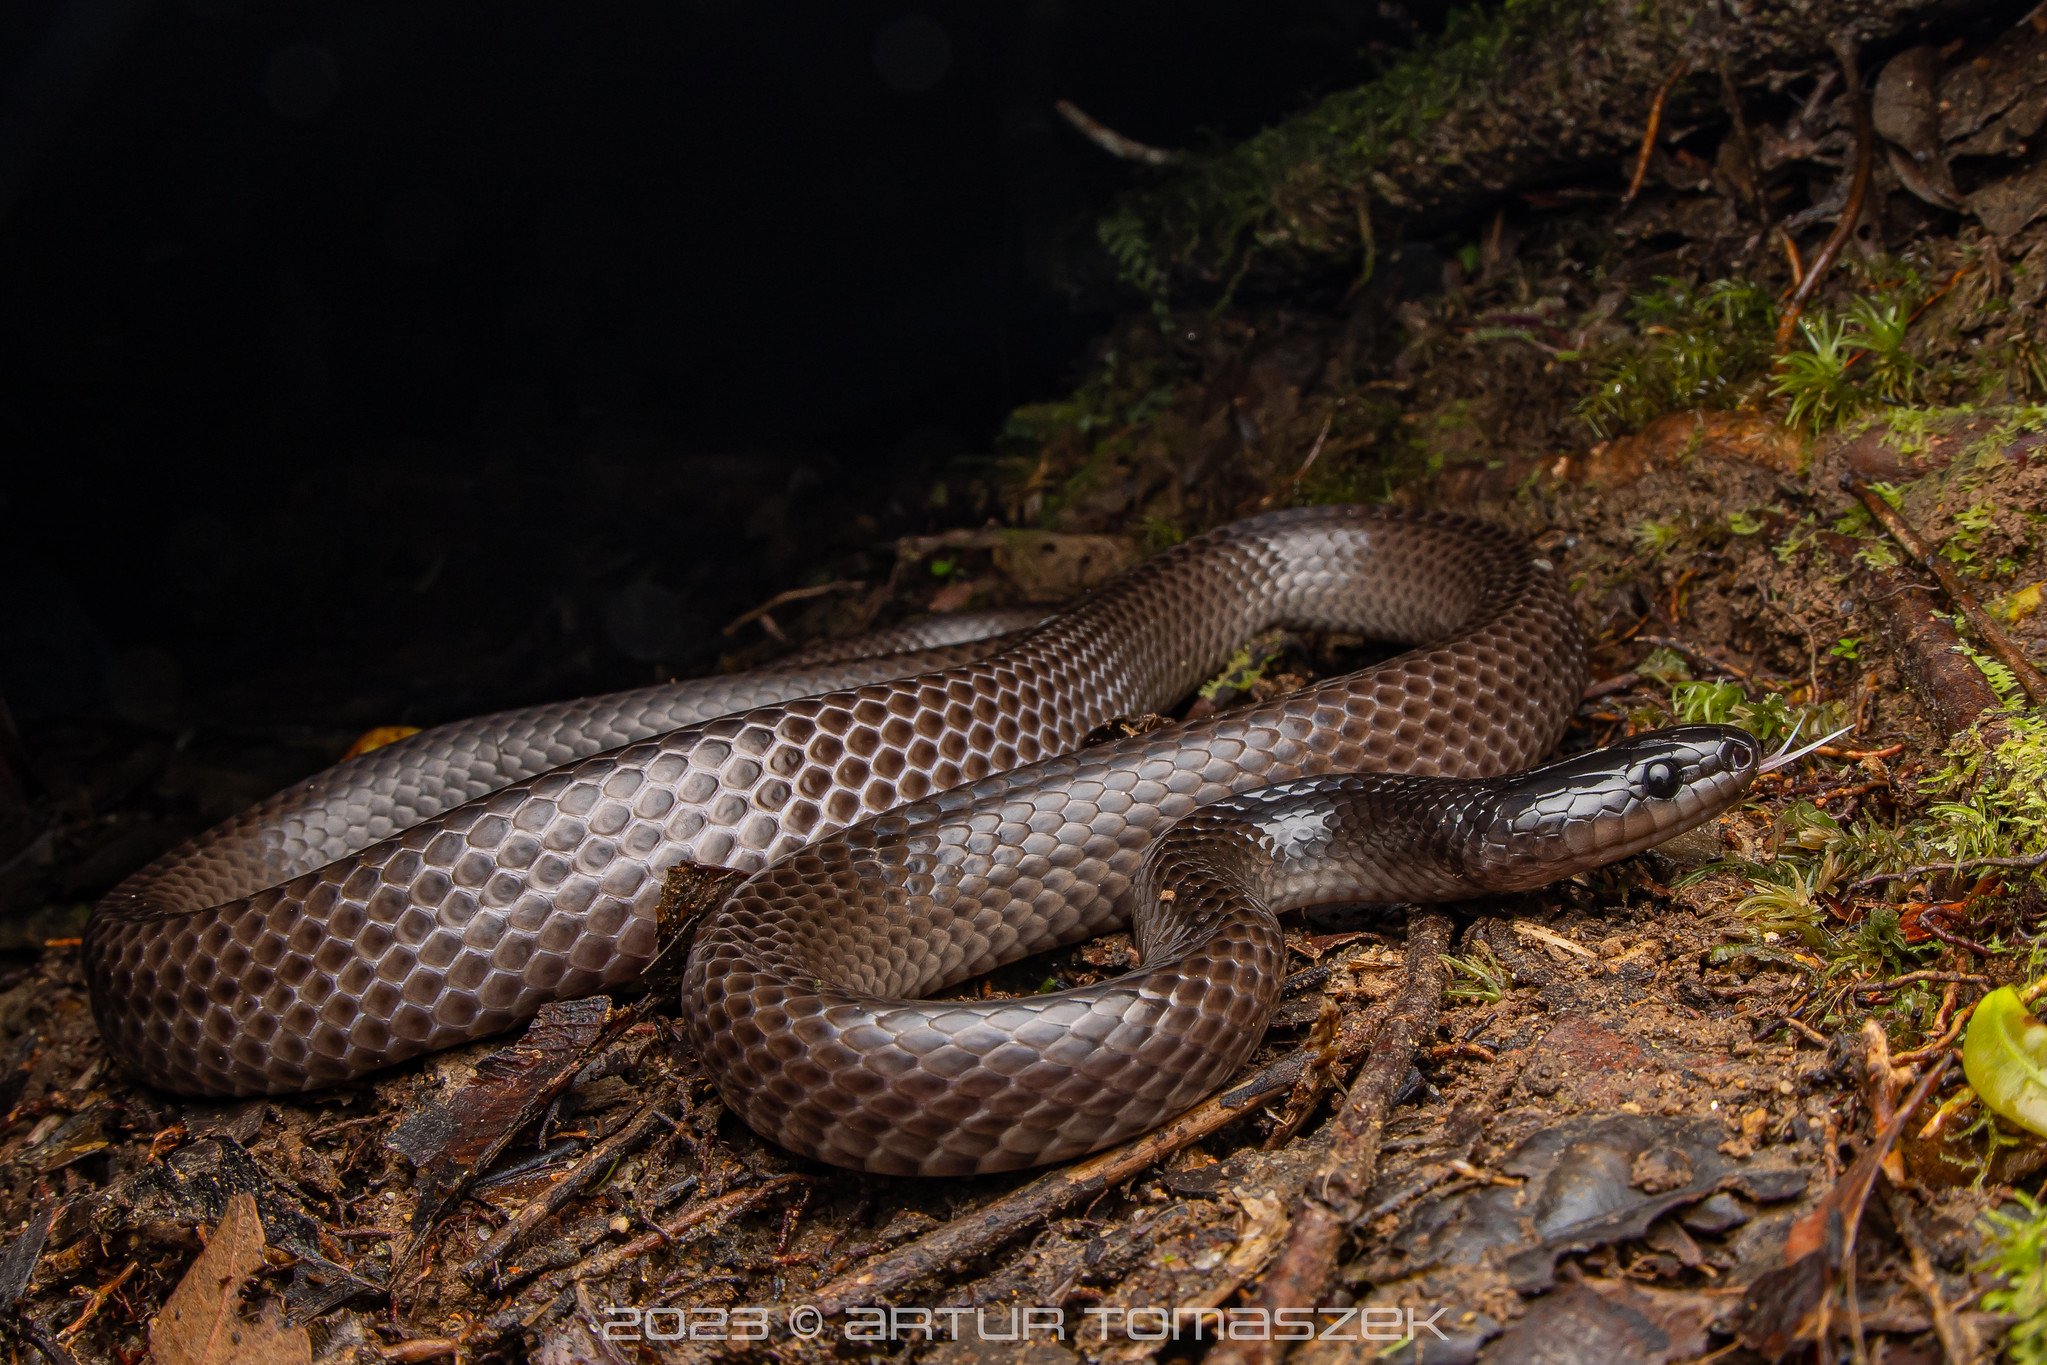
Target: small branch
{"points": [[1791, 258], [2031, 680], [981, 1230], [1806, 1031], [1851, 214], [783, 599], [1606, 687], [1695, 654], [1931, 924], [1654, 126], [1857, 755], [593, 1163], [1300, 1275], [1938, 1046], [1934, 978], [1928, 869], [1954, 1347], [557, 1289], [1114, 143]]}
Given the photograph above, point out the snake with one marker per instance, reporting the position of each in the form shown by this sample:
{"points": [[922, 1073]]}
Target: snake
{"points": [[908, 815]]}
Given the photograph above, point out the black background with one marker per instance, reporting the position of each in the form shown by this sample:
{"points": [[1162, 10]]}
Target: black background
{"points": [[384, 361]]}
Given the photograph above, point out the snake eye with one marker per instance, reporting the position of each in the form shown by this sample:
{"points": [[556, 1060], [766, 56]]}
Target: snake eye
{"points": [[1660, 779]]}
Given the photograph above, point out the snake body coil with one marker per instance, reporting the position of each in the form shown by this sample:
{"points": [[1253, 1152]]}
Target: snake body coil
{"points": [[444, 888]]}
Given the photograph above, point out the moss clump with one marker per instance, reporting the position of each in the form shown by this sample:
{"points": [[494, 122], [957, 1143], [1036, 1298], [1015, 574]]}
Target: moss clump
{"points": [[1693, 348], [2019, 1259], [1300, 185], [1898, 341]]}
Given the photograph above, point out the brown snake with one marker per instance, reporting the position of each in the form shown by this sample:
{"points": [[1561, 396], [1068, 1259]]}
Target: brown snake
{"points": [[908, 832]]}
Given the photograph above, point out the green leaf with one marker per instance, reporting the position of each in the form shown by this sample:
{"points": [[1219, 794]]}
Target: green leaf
{"points": [[2004, 1055]]}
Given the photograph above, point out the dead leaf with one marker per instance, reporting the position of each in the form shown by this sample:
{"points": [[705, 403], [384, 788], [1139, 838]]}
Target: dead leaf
{"points": [[1265, 1222], [454, 1137], [202, 1323], [1906, 109]]}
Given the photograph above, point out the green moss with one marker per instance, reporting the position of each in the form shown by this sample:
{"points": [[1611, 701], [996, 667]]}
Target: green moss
{"points": [[1300, 183], [1714, 346], [1693, 348], [1243, 672], [2018, 1258]]}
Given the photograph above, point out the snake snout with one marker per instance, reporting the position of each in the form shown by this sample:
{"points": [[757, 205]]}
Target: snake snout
{"points": [[1596, 808]]}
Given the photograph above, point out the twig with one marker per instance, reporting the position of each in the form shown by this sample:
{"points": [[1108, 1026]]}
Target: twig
{"points": [[1938, 1045], [1856, 755], [1655, 125], [1695, 654], [1791, 258], [1606, 687], [1314, 454], [2030, 860], [1805, 1031], [560, 1284], [1935, 978], [664, 1234], [1553, 939], [991, 1225], [592, 1163], [2030, 679], [1113, 142], [783, 599], [1880, 1148], [96, 1300], [1922, 1278], [1931, 924], [1851, 213], [1301, 1273]]}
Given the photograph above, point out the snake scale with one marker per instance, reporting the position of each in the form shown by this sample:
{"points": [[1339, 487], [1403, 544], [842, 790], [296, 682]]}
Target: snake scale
{"points": [[909, 822]]}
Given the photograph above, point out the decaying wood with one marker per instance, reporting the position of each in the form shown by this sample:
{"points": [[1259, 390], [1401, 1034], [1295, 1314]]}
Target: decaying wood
{"points": [[1301, 1274], [1570, 85], [2031, 681]]}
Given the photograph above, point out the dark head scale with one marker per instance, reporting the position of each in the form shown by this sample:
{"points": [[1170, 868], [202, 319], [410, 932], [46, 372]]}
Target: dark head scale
{"points": [[1595, 808]]}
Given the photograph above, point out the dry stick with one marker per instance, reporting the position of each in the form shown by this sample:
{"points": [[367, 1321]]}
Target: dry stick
{"points": [[1928, 869], [1114, 143], [1936, 978], [1928, 1051], [1954, 1348], [560, 1285], [1693, 652], [1851, 214], [2030, 679], [783, 599], [1677, 73], [1606, 687], [981, 1231], [1300, 1274], [1931, 924], [594, 1162]]}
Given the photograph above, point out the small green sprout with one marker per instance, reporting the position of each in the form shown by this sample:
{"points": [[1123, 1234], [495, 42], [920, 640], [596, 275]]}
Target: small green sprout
{"points": [[2019, 1258], [1816, 380], [1481, 977], [1652, 538]]}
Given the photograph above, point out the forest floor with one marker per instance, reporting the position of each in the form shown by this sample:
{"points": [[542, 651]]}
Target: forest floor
{"points": [[1704, 1104]]}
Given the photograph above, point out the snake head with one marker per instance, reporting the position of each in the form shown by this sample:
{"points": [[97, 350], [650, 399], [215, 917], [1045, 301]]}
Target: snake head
{"points": [[1596, 808]]}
